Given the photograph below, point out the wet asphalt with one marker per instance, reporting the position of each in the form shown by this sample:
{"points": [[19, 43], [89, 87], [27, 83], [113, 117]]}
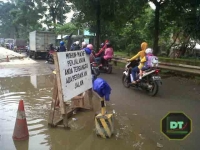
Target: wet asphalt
{"points": [[137, 114], [175, 95], [143, 113]]}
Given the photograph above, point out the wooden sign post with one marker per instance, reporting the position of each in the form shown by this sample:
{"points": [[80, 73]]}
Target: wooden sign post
{"points": [[73, 80]]}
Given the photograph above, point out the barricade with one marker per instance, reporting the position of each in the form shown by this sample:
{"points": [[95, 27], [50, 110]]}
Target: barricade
{"points": [[61, 105]]}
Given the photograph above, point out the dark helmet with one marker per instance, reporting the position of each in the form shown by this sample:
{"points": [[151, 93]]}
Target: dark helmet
{"points": [[67, 38], [62, 43], [51, 45], [108, 45]]}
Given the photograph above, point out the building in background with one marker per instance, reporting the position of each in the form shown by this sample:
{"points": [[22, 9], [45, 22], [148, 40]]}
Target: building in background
{"points": [[88, 37], [85, 36]]}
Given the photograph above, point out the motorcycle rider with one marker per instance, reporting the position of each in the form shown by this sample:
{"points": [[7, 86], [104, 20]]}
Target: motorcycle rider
{"points": [[84, 45], [140, 54], [100, 54], [148, 52], [98, 57], [108, 53], [51, 48], [76, 46], [89, 50], [72, 46], [62, 47]]}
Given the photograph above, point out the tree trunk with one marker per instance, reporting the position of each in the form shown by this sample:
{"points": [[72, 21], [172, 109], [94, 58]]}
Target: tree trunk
{"points": [[54, 17], [183, 49], [69, 43], [98, 32], [168, 50], [156, 30], [16, 32], [54, 21]]}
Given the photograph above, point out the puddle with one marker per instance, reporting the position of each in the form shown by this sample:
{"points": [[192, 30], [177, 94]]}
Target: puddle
{"points": [[36, 91], [19, 70], [36, 103]]}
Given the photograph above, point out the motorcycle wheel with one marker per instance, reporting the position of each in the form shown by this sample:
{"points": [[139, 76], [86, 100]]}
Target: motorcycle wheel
{"points": [[51, 60], [125, 81], [155, 88], [109, 71]]}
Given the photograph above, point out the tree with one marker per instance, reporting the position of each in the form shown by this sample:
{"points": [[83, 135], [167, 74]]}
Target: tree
{"points": [[184, 25], [114, 14], [67, 28], [6, 26], [57, 10], [158, 6]]}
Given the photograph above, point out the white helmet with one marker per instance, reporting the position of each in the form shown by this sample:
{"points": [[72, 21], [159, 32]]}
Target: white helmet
{"points": [[83, 43], [77, 42], [149, 51]]}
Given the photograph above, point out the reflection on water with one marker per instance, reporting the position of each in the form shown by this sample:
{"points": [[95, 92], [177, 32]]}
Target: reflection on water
{"points": [[37, 100], [36, 91]]}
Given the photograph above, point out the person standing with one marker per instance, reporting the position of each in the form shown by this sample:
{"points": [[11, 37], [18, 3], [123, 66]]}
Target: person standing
{"points": [[62, 47]]}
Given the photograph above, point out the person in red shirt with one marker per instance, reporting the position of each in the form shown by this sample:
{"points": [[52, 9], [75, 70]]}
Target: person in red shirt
{"points": [[100, 54], [101, 51]]}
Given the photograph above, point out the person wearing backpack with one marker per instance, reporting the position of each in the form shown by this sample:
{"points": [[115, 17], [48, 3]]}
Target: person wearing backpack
{"points": [[151, 61]]}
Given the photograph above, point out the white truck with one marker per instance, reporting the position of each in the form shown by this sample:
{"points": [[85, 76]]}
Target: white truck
{"points": [[39, 42]]}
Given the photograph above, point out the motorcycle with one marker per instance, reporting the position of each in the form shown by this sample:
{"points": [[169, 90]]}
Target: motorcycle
{"points": [[50, 56], [95, 69], [149, 82], [106, 67]]}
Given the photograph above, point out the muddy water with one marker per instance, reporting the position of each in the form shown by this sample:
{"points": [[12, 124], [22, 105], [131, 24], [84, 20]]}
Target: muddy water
{"points": [[36, 91]]}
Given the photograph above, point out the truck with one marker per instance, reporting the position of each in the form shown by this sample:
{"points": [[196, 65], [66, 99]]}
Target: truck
{"points": [[20, 44], [39, 42]]}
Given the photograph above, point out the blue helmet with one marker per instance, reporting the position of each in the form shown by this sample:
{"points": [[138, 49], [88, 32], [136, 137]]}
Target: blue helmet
{"points": [[62, 43]]}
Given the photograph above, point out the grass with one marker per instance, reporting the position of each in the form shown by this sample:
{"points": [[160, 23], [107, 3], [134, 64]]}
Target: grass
{"points": [[122, 54]]}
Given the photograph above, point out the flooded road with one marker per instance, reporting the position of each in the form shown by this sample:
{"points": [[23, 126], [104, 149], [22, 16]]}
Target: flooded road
{"points": [[136, 115], [36, 91]]}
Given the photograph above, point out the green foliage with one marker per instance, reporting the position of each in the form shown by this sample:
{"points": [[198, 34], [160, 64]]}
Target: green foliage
{"points": [[66, 28], [6, 26], [126, 23], [20, 17], [57, 10]]}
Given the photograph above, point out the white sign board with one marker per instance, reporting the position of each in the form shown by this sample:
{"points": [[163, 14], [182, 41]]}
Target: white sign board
{"points": [[75, 73]]}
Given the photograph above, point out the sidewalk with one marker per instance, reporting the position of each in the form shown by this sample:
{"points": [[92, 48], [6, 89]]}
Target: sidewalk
{"points": [[11, 54]]}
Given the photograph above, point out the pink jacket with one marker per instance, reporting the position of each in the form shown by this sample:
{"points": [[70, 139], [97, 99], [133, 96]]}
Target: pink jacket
{"points": [[108, 53]]}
